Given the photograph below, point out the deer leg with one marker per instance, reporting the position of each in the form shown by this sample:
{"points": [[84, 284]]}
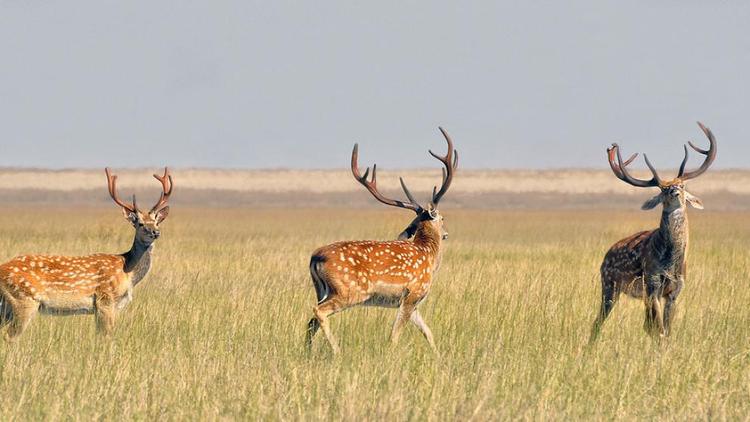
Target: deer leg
{"points": [[417, 320], [105, 315], [402, 317], [669, 305], [23, 312], [312, 328], [654, 322], [610, 294], [405, 310], [322, 312], [6, 312]]}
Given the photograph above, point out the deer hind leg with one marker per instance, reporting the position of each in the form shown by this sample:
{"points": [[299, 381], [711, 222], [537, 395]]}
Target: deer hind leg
{"points": [[417, 320], [23, 312], [322, 312], [328, 304], [6, 312], [322, 292], [312, 328], [610, 294]]}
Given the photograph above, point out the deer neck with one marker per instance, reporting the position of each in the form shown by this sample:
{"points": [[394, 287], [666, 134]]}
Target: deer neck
{"points": [[673, 233], [428, 238], [138, 259]]}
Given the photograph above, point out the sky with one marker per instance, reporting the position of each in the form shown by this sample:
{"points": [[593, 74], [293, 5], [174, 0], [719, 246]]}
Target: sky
{"points": [[245, 84]]}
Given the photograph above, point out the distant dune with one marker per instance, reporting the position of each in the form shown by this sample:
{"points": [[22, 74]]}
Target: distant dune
{"points": [[727, 189]]}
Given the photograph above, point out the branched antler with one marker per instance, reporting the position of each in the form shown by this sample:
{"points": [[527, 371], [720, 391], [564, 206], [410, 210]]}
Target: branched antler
{"points": [[112, 186], [450, 161], [619, 167], [372, 185], [710, 156], [166, 184], [166, 190]]}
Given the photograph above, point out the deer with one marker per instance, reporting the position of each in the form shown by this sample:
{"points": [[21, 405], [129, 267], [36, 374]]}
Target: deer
{"points": [[391, 274], [650, 265], [99, 284]]}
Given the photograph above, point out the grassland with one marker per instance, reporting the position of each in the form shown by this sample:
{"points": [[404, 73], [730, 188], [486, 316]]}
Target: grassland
{"points": [[216, 331]]}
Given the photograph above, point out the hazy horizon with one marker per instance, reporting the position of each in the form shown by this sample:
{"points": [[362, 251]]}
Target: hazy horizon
{"points": [[240, 85]]}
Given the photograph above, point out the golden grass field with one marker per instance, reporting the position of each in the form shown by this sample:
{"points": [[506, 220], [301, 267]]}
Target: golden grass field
{"points": [[216, 330]]}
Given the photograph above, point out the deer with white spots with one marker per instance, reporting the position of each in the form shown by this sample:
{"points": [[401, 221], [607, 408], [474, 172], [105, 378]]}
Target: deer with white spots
{"points": [[100, 284], [650, 265], [393, 274]]}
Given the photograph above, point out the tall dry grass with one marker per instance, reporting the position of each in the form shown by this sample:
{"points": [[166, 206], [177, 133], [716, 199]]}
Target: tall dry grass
{"points": [[216, 330]]}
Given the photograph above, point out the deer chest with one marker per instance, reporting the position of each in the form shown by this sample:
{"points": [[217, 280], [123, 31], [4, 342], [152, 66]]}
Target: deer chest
{"points": [[140, 270], [125, 299]]}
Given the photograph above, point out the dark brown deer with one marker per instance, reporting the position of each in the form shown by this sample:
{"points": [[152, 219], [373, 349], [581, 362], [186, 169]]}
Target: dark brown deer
{"points": [[393, 274], [651, 264]]}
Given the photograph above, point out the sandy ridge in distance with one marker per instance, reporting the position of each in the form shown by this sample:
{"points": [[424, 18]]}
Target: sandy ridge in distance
{"points": [[341, 181]]}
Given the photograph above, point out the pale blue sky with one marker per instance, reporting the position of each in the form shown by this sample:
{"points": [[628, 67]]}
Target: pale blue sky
{"points": [[295, 84]]}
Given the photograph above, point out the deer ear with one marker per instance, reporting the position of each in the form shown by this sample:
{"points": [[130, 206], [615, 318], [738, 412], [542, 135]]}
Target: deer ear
{"points": [[130, 216], [653, 202], [432, 211], [693, 200], [162, 214], [409, 231]]}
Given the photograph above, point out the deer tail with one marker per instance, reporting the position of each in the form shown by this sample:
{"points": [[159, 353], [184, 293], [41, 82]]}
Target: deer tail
{"points": [[322, 288]]}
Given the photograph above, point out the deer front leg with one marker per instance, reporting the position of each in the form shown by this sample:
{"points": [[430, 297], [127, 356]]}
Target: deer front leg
{"points": [[654, 322], [406, 309], [669, 306], [416, 318], [105, 315], [404, 314]]}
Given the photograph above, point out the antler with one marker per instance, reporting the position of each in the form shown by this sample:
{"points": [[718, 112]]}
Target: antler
{"points": [[616, 168], [710, 156], [112, 185], [619, 168], [372, 185], [450, 161], [166, 190]]}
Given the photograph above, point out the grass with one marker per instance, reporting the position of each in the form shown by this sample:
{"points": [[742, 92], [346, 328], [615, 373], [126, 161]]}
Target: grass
{"points": [[216, 330]]}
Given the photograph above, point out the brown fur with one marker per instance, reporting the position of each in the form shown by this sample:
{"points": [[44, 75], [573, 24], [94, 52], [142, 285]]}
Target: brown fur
{"points": [[650, 265], [377, 273], [64, 285], [391, 274], [101, 284]]}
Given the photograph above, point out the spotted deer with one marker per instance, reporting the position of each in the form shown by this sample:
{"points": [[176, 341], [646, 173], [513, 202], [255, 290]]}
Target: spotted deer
{"points": [[651, 264], [393, 274], [100, 284]]}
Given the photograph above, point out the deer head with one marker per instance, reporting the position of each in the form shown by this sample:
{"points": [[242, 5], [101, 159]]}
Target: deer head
{"points": [[146, 224], [427, 217], [673, 193]]}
